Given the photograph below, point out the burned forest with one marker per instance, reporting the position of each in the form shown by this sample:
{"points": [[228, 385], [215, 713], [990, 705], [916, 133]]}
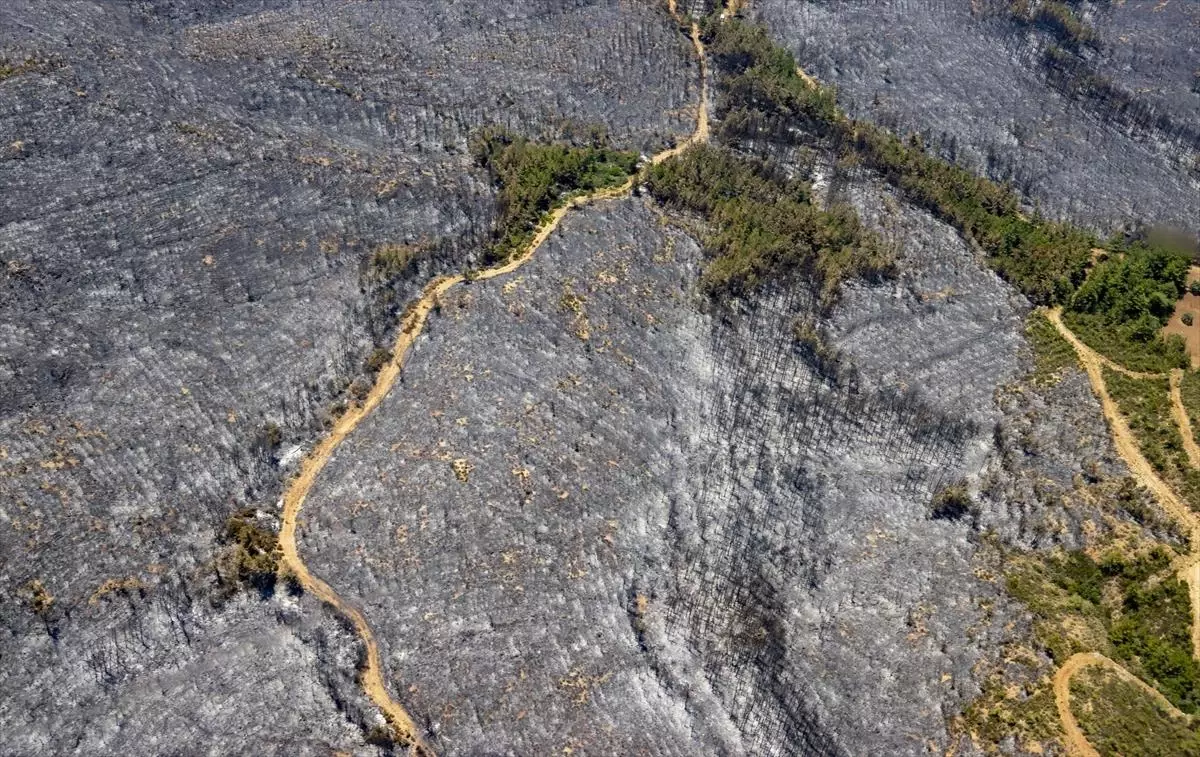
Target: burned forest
{"points": [[719, 377]]}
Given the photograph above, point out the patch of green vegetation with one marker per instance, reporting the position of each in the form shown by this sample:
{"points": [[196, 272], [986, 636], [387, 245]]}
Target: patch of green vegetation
{"points": [[382, 736], [1124, 303], [760, 82], [1078, 574], [1135, 570], [819, 354], [1044, 259], [1051, 353], [252, 558], [1000, 713], [1128, 344], [272, 435], [390, 260], [1146, 403], [763, 224], [1153, 634], [1063, 593], [13, 68], [534, 178], [1060, 19], [1121, 607], [1132, 500], [38, 598], [1118, 717], [378, 358]]}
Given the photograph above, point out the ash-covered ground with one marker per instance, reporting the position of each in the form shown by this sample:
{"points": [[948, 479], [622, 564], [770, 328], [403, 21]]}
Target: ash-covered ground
{"points": [[975, 85], [191, 192], [599, 512]]}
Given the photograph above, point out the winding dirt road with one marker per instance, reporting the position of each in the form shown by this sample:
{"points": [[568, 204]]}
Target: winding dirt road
{"points": [[413, 323], [1187, 568]]}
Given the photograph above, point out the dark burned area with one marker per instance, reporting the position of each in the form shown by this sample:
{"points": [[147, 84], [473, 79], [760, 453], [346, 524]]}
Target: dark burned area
{"points": [[661, 489]]}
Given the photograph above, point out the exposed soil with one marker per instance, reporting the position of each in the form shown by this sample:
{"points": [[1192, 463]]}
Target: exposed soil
{"points": [[1189, 303]]}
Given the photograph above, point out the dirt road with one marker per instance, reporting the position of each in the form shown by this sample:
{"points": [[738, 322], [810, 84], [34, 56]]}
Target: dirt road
{"points": [[372, 674]]}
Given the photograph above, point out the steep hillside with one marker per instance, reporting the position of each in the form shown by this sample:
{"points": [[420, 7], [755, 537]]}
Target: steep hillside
{"points": [[387, 377], [193, 196]]}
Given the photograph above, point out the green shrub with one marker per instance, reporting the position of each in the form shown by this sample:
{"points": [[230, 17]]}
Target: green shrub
{"points": [[389, 260], [1060, 20], [1154, 633], [1076, 572], [252, 558], [11, 68], [272, 435], [951, 503], [533, 178], [376, 360], [1135, 570], [824, 358]]}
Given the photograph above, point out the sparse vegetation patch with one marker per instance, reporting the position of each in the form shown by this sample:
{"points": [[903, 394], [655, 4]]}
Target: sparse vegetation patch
{"points": [[1118, 717], [1146, 403], [1051, 353], [952, 502], [763, 224], [252, 557]]}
